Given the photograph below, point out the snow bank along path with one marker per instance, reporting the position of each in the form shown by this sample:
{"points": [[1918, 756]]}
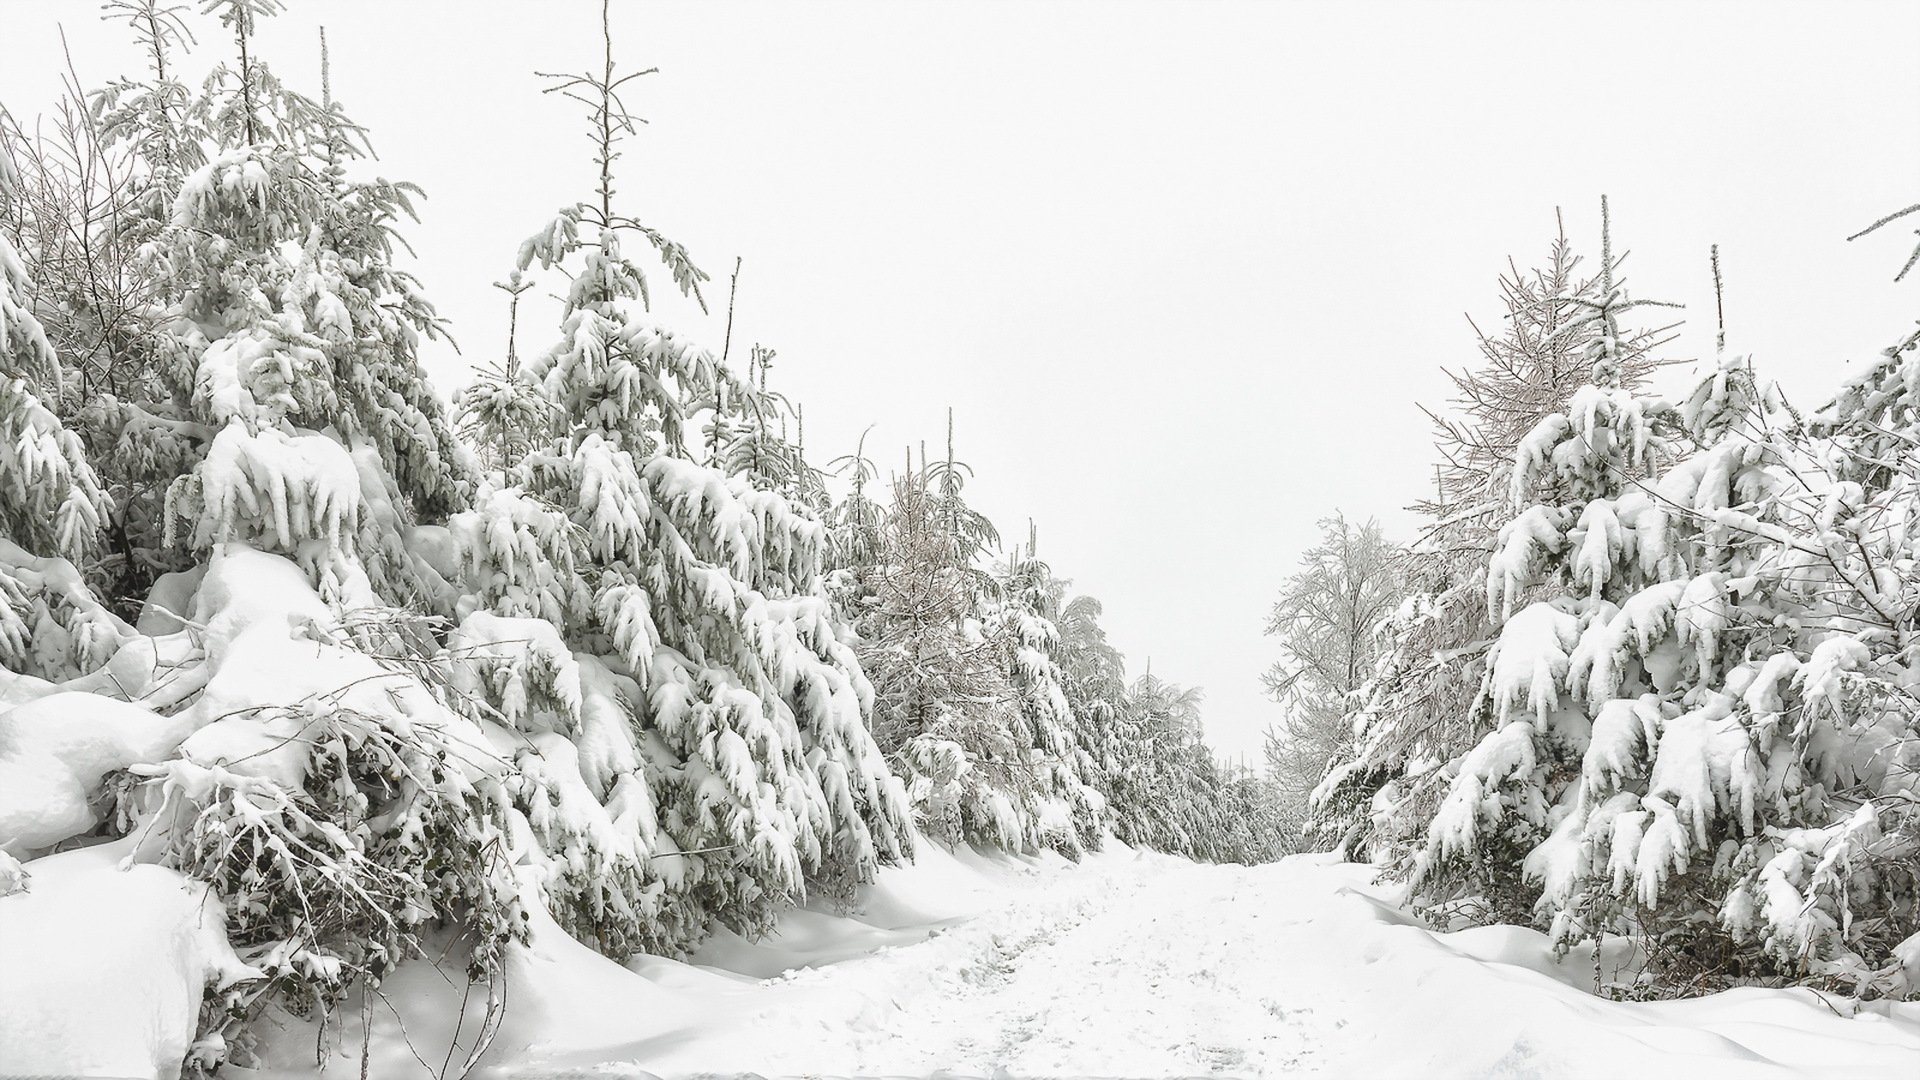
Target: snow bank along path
{"points": [[1135, 964]]}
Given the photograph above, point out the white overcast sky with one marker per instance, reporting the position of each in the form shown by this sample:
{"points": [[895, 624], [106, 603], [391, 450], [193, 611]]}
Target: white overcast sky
{"points": [[1183, 270]]}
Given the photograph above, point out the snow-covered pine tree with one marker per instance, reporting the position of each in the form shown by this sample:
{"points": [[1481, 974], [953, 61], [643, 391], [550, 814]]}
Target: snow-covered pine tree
{"points": [[972, 701], [1876, 410], [747, 433], [1584, 537], [1069, 813], [658, 631], [855, 524], [1702, 736], [232, 245], [1791, 768], [84, 203], [1157, 780], [1096, 687], [502, 412], [337, 806], [1418, 708], [1255, 832], [1742, 799], [1161, 777], [943, 706]]}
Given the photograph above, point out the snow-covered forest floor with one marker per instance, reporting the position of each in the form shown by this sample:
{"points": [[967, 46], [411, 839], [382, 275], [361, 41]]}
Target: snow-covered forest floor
{"points": [[1129, 964]]}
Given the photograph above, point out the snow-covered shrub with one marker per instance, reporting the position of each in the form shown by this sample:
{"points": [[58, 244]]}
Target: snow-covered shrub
{"points": [[395, 826], [338, 807]]}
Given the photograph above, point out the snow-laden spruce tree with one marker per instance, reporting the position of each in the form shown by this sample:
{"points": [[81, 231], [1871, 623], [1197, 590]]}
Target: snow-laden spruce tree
{"points": [[1581, 536], [856, 532], [1096, 688], [503, 411], [747, 434], [292, 318], [1163, 780], [1156, 778], [999, 697], [944, 707], [1418, 706], [1703, 734], [658, 632], [82, 204], [234, 248], [1069, 812], [270, 726]]}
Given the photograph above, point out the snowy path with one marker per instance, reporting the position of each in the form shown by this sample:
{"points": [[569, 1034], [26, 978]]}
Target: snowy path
{"points": [[1144, 966], [1113, 975]]}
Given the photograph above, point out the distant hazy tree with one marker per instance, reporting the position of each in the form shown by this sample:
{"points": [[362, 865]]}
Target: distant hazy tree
{"points": [[1326, 619]]}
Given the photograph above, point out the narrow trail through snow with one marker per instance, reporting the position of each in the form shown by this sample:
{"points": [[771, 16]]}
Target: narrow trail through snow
{"points": [[1134, 972]]}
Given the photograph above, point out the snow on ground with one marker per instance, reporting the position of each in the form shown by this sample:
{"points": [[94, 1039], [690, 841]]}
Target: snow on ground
{"points": [[1134, 966], [1131, 964], [118, 959]]}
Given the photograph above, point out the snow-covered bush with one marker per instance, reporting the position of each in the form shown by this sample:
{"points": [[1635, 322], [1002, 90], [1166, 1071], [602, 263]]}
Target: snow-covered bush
{"points": [[395, 826]]}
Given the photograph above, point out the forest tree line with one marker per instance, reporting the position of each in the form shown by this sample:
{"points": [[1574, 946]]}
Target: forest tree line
{"points": [[599, 642]]}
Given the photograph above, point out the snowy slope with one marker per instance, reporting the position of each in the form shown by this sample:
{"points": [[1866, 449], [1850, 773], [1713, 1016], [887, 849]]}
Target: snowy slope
{"points": [[1131, 964]]}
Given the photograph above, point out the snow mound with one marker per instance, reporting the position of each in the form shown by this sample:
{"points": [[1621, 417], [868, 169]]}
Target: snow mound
{"points": [[120, 960], [53, 753], [1495, 1002]]}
